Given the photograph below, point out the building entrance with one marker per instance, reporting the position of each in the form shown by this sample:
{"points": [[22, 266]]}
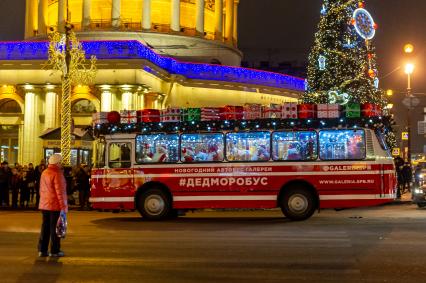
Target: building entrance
{"points": [[9, 143]]}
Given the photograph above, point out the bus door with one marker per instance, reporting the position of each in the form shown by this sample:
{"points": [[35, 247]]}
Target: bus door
{"points": [[119, 174]]}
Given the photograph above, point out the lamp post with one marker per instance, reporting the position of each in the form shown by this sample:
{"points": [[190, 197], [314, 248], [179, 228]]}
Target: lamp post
{"points": [[409, 68]]}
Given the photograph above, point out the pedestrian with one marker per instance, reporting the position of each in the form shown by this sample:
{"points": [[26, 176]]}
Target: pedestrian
{"points": [[24, 197], [407, 173], [399, 164], [31, 181], [82, 179], [53, 203], [14, 185], [4, 183]]}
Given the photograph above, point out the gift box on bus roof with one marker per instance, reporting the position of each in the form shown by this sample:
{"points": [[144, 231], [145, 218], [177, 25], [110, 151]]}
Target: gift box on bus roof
{"points": [[306, 111], [148, 115], [230, 112], [352, 110], [171, 114], [252, 111], [289, 110], [100, 118], [272, 111], [210, 113], [191, 114], [128, 117], [371, 110], [329, 110]]}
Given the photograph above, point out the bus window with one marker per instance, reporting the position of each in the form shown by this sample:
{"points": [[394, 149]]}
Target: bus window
{"points": [[294, 145], [201, 148], [342, 144], [100, 153], [119, 155], [157, 148], [254, 146]]}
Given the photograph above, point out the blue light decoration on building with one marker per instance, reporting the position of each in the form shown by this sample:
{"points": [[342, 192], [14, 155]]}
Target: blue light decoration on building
{"points": [[132, 49]]}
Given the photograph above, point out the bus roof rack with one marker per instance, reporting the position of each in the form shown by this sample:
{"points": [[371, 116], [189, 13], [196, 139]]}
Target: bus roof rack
{"points": [[242, 125]]}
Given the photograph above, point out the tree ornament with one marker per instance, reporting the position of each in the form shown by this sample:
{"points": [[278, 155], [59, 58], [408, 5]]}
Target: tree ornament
{"points": [[371, 73], [364, 23], [322, 62], [376, 83], [360, 5]]}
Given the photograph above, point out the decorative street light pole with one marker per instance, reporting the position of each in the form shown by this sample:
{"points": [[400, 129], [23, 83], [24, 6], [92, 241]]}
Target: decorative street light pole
{"points": [[66, 55]]}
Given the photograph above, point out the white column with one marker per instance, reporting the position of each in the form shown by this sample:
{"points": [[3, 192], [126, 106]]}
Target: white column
{"points": [[31, 18], [106, 100], [146, 14], [199, 14], [235, 26], [175, 18], [61, 15], [116, 13], [87, 6], [51, 119], [229, 24], [42, 17], [127, 99], [31, 146], [218, 11]]}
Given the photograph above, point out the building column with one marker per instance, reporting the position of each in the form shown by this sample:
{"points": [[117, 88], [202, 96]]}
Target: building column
{"points": [[199, 15], [116, 13], [106, 99], [62, 17], [31, 23], [235, 26], [51, 119], [87, 6], [146, 15], [218, 12], [42, 17], [151, 100], [127, 98], [32, 145], [175, 18], [229, 24]]}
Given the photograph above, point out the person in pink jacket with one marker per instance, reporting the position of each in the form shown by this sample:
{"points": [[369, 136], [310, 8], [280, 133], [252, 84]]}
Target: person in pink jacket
{"points": [[53, 202]]}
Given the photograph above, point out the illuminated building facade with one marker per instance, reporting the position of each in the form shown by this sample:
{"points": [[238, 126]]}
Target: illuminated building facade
{"points": [[130, 74]]}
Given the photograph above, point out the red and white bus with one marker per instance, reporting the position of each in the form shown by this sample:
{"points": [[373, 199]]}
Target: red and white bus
{"points": [[299, 171]]}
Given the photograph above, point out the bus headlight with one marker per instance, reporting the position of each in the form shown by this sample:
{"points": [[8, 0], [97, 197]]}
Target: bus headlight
{"points": [[418, 191]]}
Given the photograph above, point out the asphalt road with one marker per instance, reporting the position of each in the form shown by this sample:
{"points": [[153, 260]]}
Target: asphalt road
{"points": [[382, 244]]}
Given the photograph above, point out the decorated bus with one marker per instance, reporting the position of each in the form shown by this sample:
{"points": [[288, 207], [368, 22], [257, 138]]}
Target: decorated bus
{"points": [[298, 165]]}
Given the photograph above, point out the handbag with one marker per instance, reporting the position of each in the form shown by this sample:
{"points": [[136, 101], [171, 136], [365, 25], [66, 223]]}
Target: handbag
{"points": [[61, 225]]}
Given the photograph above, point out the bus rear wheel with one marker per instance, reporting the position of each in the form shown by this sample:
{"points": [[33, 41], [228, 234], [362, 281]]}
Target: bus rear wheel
{"points": [[153, 204], [298, 203]]}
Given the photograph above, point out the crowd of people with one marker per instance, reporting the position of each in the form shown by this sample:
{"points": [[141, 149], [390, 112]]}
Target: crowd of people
{"points": [[20, 185], [407, 177]]}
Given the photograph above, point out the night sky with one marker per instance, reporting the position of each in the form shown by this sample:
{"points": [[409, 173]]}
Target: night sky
{"points": [[285, 29]]}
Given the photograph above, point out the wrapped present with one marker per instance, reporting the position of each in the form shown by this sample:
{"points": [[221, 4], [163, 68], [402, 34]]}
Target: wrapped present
{"points": [[191, 114], [272, 111], [148, 115], [328, 110], [352, 110], [171, 114], [113, 117], [128, 117], [230, 112], [289, 111], [252, 111], [306, 111], [371, 110], [100, 118], [210, 113]]}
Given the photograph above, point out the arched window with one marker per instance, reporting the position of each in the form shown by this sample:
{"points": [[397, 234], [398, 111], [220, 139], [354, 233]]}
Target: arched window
{"points": [[9, 106], [83, 106]]}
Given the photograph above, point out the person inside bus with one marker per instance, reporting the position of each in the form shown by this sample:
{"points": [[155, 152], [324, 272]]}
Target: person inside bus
{"points": [[262, 153], [187, 155], [160, 155], [125, 156]]}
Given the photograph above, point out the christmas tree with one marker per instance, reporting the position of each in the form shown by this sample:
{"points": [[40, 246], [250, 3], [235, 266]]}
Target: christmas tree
{"points": [[342, 63]]}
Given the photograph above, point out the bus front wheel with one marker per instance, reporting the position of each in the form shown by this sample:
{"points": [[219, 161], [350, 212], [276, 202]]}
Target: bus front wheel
{"points": [[153, 204], [298, 203]]}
